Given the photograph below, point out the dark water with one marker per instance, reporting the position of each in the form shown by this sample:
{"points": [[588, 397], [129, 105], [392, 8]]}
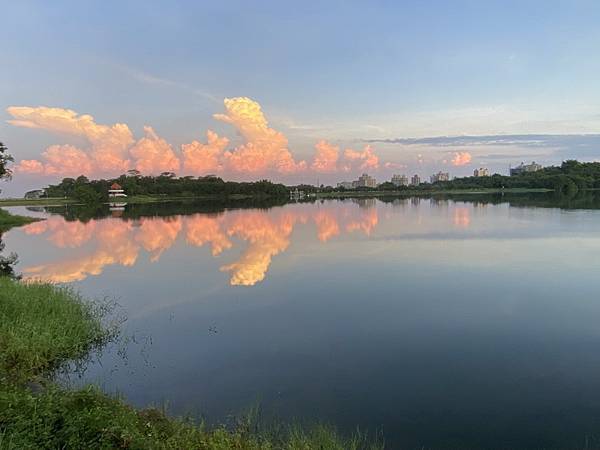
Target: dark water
{"points": [[445, 323]]}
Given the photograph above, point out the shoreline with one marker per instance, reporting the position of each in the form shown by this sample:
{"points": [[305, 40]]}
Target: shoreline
{"points": [[8, 220], [418, 193], [44, 328], [338, 194]]}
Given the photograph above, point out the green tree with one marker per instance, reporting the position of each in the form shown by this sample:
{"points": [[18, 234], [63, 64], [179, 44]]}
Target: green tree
{"points": [[7, 263], [5, 159], [86, 194]]}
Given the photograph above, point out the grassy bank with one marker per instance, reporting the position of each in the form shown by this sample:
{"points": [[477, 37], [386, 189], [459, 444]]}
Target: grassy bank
{"points": [[43, 328], [35, 201], [134, 199], [8, 220], [137, 199]]}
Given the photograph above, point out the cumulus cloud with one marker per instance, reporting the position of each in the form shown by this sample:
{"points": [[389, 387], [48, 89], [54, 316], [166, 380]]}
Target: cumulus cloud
{"points": [[461, 158], [265, 148], [367, 158], [108, 143], [153, 154], [206, 158], [326, 157], [112, 149], [31, 166]]}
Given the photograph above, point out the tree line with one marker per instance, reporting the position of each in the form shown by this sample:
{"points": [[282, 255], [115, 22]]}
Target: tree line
{"points": [[165, 184]]}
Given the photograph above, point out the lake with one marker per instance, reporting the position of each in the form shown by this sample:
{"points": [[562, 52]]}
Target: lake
{"points": [[456, 322]]}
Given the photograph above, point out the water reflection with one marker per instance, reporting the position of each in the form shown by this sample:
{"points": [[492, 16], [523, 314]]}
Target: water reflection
{"points": [[261, 234], [118, 241], [446, 322]]}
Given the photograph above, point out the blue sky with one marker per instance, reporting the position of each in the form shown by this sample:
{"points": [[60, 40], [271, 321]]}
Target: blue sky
{"points": [[345, 71]]}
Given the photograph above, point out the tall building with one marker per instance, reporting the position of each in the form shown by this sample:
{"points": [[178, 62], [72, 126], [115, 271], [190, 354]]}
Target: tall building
{"points": [[524, 168], [366, 180], [481, 172], [400, 180], [440, 176], [415, 180]]}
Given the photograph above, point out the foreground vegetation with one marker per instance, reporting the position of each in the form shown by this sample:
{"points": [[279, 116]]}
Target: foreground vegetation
{"points": [[43, 328]]}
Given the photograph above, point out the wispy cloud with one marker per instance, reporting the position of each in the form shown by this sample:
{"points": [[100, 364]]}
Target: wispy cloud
{"points": [[521, 140], [557, 141], [149, 78]]}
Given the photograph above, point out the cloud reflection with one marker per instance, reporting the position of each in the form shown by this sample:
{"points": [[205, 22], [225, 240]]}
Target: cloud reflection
{"points": [[114, 241]]}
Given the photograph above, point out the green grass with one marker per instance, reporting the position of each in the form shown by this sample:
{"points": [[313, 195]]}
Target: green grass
{"points": [[133, 199], [89, 419], [42, 328], [35, 201], [8, 220]]}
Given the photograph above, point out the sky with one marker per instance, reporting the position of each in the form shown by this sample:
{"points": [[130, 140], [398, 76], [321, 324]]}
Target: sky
{"points": [[296, 91]]}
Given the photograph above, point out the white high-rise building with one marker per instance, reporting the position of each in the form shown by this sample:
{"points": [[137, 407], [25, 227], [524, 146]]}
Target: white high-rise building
{"points": [[440, 176], [400, 180], [366, 180]]}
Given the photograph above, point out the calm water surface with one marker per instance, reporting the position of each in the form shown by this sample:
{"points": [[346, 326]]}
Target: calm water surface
{"points": [[446, 324]]}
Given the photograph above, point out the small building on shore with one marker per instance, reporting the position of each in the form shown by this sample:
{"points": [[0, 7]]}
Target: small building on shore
{"points": [[35, 194], [116, 191]]}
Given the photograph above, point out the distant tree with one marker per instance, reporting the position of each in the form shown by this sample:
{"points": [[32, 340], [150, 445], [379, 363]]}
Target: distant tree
{"points": [[387, 186], [86, 194], [81, 180], [134, 173]]}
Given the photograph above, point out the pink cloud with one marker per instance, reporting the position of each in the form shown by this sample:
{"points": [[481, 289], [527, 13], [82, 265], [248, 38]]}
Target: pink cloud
{"points": [[108, 143], [154, 155], [461, 159], [206, 158], [326, 157], [367, 158], [112, 149], [265, 148]]}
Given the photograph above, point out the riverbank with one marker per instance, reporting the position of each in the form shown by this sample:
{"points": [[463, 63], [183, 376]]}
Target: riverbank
{"points": [[137, 199], [43, 328], [134, 199], [8, 220]]}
